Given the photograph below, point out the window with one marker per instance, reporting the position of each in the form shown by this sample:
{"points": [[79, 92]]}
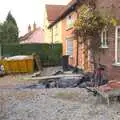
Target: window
{"points": [[56, 30], [104, 38], [117, 45], [69, 47], [69, 22]]}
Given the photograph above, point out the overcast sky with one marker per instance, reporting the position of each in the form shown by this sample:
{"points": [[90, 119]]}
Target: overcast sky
{"points": [[26, 11]]}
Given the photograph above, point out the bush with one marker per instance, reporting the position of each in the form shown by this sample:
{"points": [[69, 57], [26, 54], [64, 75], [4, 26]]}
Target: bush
{"points": [[50, 54]]}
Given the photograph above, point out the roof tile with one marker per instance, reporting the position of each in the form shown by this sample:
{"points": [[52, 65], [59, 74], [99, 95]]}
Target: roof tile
{"points": [[53, 11]]}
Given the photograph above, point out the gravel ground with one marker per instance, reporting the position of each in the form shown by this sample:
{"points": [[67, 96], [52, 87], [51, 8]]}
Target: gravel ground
{"points": [[55, 104], [51, 104]]}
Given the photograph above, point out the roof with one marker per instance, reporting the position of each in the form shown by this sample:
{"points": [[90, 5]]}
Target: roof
{"points": [[53, 11], [29, 34], [67, 9], [26, 36]]}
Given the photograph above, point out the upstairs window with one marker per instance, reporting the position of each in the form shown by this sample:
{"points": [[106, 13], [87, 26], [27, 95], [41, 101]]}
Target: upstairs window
{"points": [[69, 22]]}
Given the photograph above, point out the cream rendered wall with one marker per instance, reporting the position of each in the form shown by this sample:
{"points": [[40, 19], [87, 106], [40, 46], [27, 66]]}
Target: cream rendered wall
{"points": [[48, 32], [57, 32], [53, 34]]}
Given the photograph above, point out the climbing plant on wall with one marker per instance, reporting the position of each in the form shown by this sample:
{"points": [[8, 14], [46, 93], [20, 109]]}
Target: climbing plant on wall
{"points": [[89, 26]]}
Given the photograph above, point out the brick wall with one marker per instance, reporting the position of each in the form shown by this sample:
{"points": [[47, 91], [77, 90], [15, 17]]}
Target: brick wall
{"points": [[108, 58], [67, 33]]}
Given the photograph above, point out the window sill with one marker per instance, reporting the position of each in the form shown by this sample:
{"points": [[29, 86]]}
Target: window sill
{"points": [[116, 64], [69, 28], [104, 47], [71, 57]]}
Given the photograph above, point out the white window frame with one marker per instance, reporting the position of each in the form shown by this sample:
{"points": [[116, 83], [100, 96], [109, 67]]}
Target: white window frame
{"points": [[105, 30], [116, 45], [69, 22], [67, 51]]}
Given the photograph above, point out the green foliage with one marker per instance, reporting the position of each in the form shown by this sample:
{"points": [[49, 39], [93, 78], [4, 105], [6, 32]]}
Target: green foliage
{"points": [[49, 54], [9, 30], [89, 26], [10, 18], [91, 22]]}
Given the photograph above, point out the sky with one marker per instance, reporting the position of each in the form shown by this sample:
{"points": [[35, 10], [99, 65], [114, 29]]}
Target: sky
{"points": [[26, 11]]}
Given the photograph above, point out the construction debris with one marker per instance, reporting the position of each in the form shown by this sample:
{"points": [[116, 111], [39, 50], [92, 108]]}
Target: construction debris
{"points": [[54, 77]]}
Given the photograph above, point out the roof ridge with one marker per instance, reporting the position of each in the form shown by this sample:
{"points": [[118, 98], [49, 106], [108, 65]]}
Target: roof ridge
{"points": [[64, 12]]}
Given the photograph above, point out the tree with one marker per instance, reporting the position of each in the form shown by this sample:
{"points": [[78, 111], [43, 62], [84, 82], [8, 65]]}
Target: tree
{"points": [[89, 26], [10, 18], [9, 30]]}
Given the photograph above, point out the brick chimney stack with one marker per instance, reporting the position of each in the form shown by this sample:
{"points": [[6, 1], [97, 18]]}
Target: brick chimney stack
{"points": [[29, 28], [34, 26]]}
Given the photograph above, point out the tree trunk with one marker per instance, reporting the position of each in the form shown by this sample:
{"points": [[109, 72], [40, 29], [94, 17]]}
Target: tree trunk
{"points": [[94, 59]]}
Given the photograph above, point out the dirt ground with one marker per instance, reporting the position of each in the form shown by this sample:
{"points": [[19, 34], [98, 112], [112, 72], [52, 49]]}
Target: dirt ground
{"points": [[12, 80]]}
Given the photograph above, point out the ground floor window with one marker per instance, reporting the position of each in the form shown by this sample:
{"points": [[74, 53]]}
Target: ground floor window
{"points": [[117, 45], [104, 38], [69, 47]]}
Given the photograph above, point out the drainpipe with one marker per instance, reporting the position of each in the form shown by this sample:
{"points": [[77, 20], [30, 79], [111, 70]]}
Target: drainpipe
{"points": [[77, 45], [52, 37], [77, 54]]}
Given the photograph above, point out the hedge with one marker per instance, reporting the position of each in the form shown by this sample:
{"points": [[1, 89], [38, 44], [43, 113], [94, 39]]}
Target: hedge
{"points": [[50, 54]]}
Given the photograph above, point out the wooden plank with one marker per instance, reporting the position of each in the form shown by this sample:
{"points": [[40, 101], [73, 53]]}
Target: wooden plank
{"points": [[38, 62], [53, 77], [107, 95]]}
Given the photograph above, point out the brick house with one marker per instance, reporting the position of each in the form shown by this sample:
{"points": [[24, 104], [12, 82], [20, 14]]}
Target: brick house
{"points": [[68, 16], [111, 56]]}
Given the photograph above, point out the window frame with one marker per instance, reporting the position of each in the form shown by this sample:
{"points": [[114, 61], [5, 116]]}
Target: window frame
{"points": [[104, 31], [69, 22], [116, 45], [67, 51]]}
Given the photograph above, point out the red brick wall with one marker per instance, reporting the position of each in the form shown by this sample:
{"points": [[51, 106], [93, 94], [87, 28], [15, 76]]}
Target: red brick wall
{"points": [[108, 58], [69, 33]]}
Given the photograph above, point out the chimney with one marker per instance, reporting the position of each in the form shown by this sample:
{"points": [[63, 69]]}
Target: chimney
{"points": [[29, 28], [34, 26]]}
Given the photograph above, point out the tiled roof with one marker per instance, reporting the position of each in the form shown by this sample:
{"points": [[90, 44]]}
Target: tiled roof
{"points": [[67, 9], [29, 35], [53, 11], [26, 36]]}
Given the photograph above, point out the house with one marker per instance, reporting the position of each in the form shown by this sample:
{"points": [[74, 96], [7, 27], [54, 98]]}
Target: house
{"points": [[67, 17], [52, 35], [33, 36], [111, 56]]}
